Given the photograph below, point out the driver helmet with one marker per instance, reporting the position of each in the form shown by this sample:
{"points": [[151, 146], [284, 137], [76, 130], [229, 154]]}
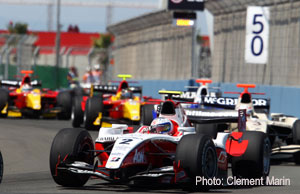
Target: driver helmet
{"points": [[162, 126], [26, 87], [125, 94]]}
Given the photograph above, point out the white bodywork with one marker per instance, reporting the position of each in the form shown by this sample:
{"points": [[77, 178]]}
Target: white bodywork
{"points": [[126, 143], [260, 121]]}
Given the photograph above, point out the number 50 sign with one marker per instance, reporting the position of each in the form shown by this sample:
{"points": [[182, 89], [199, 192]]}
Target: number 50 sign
{"points": [[257, 35]]}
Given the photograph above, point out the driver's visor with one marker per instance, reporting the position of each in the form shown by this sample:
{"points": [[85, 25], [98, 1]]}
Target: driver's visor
{"points": [[162, 128]]}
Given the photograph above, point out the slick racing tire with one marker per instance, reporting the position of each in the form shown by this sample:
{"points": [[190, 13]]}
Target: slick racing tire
{"points": [[64, 101], [297, 157], [208, 129], [1, 167], [296, 132], [296, 140], [78, 91], [93, 107], [147, 114], [196, 154], [4, 96], [77, 112], [255, 162], [75, 143]]}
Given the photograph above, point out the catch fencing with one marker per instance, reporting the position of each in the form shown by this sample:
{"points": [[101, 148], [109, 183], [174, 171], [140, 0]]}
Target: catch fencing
{"points": [[228, 63], [18, 52]]}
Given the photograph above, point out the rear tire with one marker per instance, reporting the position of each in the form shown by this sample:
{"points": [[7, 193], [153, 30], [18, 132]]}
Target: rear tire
{"points": [[147, 114], [208, 129], [93, 107], [77, 112], [197, 155], [73, 142], [64, 101], [255, 162]]}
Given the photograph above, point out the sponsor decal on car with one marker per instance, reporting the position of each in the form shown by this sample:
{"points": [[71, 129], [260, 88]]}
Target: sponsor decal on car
{"points": [[115, 159], [105, 87], [139, 156], [108, 138], [187, 95], [200, 113], [222, 160], [219, 101]]}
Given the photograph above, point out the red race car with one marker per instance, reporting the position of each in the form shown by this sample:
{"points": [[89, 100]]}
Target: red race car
{"points": [[108, 103], [170, 150], [25, 98]]}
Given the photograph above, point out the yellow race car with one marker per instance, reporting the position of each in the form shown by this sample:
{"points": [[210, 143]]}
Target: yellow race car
{"points": [[112, 103], [24, 98]]}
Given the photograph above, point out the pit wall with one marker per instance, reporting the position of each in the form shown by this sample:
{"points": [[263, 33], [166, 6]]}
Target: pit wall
{"points": [[283, 99]]}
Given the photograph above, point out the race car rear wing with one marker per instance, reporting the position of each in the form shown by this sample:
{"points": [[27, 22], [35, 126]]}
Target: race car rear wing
{"points": [[203, 116], [224, 102], [186, 96], [231, 102], [112, 89], [10, 83]]}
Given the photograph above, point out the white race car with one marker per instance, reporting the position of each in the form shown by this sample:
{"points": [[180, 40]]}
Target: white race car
{"points": [[167, 151], [197, 96], [283, 130]]}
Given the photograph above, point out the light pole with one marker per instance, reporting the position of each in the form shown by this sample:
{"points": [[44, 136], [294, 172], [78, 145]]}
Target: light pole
{"points": [[57, 43]]}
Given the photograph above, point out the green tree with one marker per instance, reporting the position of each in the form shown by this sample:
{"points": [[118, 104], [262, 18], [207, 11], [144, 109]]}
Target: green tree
{"points": [[18, 28], [104, 41]]}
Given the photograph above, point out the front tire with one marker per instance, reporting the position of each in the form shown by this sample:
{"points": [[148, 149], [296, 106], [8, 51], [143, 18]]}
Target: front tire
{"points": [[255, 162], [196, 154], [77, 112], [147, 114], [93, 107], [75, 143]]}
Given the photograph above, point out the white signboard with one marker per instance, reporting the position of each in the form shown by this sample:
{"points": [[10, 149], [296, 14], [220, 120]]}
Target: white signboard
{"points": [[257, 35]]}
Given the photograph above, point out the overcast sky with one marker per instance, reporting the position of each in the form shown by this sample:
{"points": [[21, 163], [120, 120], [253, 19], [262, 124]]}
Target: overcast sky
{"points": [[88, 19]]}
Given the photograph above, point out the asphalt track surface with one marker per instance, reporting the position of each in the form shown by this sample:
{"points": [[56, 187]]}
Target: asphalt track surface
{"points": [[25, 146]]}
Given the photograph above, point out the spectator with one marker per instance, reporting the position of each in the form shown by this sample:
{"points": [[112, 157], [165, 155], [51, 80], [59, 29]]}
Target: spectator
{"points": [[97, 74], [70, 28], [76, 29], [72, 77], [88, 77]]}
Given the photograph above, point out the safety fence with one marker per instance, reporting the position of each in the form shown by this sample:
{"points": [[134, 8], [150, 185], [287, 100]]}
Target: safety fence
{"points": [[27, 52], [283, 66]]}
